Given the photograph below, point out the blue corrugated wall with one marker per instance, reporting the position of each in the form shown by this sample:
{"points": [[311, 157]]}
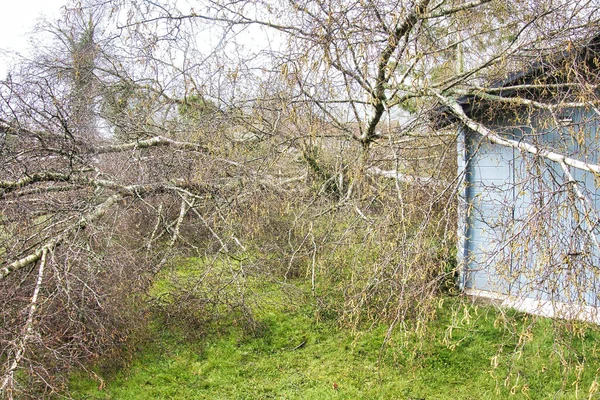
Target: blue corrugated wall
{"points": [[521, 229]]}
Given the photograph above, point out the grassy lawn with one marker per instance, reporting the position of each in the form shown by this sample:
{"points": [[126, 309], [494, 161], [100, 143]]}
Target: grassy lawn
{"points": [[468, 352]]}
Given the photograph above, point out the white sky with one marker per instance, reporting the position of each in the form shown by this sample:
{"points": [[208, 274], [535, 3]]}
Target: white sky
{"points": [[17, 20]]}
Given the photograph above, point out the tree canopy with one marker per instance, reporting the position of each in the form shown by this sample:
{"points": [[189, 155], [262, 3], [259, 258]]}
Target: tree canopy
{"points": [[144, 131]]}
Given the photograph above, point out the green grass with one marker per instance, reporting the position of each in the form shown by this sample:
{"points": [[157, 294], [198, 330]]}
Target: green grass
{"points": [[468, 352], [294, 357]]}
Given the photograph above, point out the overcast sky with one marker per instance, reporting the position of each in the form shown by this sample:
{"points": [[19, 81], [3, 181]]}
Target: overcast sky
{"points": [[17, 20]]}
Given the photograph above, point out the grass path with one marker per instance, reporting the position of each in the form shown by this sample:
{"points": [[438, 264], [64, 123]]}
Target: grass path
{"points": [[468, 352], [294, 357]]}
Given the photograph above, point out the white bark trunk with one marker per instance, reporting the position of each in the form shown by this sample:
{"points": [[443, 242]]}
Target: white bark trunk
{"points": [[519, 145]]}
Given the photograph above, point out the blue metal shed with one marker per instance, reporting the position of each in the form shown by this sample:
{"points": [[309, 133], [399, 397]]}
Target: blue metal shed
{"points": [[528, 228], [522, 231]]}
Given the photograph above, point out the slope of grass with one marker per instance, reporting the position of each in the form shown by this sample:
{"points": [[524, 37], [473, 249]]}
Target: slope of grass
{"points": [[469, 352]]}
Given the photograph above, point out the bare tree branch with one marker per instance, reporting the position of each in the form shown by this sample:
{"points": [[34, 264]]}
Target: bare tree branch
{"points": [[520, 145], [27, 331], [152, 142]]}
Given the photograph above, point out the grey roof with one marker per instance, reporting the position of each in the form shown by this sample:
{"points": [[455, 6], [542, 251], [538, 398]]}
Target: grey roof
{"points": [[548, 70]]}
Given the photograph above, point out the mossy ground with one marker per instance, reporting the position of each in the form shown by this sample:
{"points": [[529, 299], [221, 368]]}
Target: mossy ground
{"points": [[469, 351]]}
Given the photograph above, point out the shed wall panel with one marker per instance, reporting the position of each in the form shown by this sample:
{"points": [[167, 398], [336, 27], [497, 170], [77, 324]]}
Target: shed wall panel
{"points": [[512, 201]]}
